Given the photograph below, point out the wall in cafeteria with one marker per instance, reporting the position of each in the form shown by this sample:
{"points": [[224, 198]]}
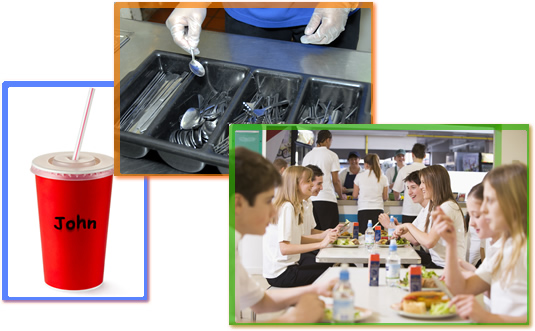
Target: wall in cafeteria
{"points": [[374, 142], [463, 181], [274, 144], [514, 146]]}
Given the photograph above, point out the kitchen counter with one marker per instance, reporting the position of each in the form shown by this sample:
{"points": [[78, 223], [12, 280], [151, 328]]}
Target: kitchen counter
{"points": [[387, 203], [348, 209], [146, 37]]}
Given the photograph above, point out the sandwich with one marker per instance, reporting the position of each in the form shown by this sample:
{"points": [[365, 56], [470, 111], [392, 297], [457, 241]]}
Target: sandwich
{"points": [[420, 302]]}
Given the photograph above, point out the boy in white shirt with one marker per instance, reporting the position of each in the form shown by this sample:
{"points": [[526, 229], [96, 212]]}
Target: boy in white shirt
{"points": [[255, 181]]}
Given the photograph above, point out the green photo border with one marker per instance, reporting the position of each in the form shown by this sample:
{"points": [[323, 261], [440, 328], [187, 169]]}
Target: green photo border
{"points": [[497, 128]]}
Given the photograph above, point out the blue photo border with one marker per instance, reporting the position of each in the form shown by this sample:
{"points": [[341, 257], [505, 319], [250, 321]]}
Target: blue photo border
{"points": [[5, 177]]}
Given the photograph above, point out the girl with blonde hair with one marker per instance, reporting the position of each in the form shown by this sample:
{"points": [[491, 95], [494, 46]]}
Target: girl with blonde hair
{"points": [[371, 189], [284, 261], [505, 273]]}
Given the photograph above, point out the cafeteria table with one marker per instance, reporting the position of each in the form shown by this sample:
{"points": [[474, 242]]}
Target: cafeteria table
{"points": [[379, 299], [359, 254]]}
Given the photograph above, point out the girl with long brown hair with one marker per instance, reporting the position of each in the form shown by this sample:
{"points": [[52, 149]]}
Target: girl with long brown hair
{"points": [[436, 186], [505, 273], [284, 261], [371, 189]]}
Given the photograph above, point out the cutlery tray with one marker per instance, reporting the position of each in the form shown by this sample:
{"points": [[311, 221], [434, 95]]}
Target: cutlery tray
{"points": [[243, 84]]}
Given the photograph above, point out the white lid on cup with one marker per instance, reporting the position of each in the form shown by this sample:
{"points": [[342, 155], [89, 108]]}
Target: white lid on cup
{"points": [[61, 166]]}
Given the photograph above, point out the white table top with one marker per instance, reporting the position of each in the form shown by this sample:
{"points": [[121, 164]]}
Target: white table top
{"points": [[379, 298], [360, 255]]}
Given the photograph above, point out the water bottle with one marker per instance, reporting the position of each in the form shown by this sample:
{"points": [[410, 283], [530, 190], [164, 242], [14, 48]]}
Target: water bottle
{"points": [[391, 227], [369, 237], [343, 298], [393, 264]]}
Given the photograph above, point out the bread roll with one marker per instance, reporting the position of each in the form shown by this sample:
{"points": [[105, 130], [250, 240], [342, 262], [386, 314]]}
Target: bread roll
{"points": [[413, 307]]}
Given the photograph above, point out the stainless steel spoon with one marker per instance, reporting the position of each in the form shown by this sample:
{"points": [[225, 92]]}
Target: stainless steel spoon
{"points": [[195, 66], [190, 118]]}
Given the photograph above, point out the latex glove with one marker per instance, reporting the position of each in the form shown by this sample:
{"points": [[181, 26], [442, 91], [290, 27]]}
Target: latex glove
{"points": [[191, 18], [325, 25]]}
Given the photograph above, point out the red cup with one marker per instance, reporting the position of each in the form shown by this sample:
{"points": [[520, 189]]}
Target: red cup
{"points": [[74, 204]]}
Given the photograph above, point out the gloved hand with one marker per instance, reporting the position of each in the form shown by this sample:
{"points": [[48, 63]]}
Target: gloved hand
{"points": [[191, 18], [325, 25]]}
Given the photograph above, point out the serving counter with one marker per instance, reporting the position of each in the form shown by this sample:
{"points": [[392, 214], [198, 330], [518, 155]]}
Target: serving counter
{"points": [[331, 66], [348, 209]]}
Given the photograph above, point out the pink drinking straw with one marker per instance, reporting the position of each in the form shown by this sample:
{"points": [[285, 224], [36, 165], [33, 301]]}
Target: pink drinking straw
{"points": [[90, 96]]}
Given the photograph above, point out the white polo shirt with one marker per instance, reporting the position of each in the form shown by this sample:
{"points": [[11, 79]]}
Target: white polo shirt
{"points": [[419, 221], [409, 208], [247, 291], [328, 162], [370, 190], [438, 253], [511, 299], [390, 173], [309, 222], [287, 229]]}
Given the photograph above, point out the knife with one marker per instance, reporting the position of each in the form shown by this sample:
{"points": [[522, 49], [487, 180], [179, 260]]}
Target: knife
{"points": [[344, 227], [442, 286]]}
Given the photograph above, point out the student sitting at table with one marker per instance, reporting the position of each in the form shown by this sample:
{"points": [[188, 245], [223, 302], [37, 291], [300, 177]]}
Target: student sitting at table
{"points": [[284, 262], [416, 230], [280, 165], [489, 240], [255, 181], [505, 273], [309, 222], [436, 187]]}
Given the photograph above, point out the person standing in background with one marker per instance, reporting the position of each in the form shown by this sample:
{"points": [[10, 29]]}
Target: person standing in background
{"points": [[371, 189], [410, 209], [392, 172], [325, 203], [347, 175]]}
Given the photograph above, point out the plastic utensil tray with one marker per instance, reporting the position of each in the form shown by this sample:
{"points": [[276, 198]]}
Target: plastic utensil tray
{"points": [[241, 83]]}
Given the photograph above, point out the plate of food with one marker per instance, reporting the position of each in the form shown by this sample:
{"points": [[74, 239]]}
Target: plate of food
{"points": [[428, 284], [346, 242], [402, 242], [425, 305], [360, 314]]}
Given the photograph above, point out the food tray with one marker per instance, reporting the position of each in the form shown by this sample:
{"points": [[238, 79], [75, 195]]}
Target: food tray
{"points": [[241, 82]]}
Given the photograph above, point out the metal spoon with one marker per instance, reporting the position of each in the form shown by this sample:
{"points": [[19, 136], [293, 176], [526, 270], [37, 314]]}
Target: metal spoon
{"points": [[190, 118], [195, 66]]}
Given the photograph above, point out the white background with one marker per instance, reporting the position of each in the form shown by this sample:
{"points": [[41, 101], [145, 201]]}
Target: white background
{"points": [[47, 120], [436, 62]]}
